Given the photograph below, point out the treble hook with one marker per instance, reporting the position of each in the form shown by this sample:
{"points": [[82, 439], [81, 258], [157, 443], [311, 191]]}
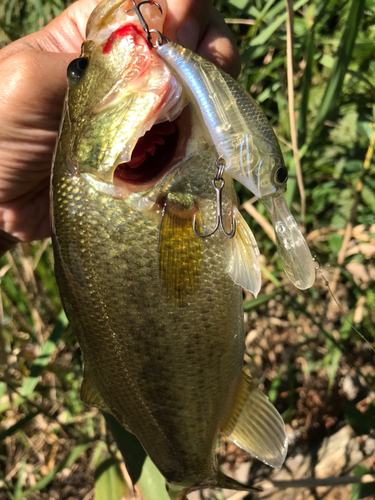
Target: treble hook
{"points": [[219, 212], [161, 39]]}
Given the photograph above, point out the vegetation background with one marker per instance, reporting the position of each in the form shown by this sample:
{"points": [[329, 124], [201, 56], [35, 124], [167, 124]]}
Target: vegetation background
{"points": [[314, 366]]}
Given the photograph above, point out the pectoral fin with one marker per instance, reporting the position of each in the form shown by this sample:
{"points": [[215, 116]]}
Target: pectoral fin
{"points": [[244, 268], [256, 426], [90, 396], [180, 249], [291, 245]]}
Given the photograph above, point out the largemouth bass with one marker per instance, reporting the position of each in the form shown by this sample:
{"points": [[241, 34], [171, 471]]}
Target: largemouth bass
{"points": [[156, 309]]}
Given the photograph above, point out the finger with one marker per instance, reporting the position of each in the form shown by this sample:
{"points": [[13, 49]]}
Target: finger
{"points": [[27, 217], [64, 34], [187, 21], [34, 82], [219, 47], [6, 241], [67, 32]]}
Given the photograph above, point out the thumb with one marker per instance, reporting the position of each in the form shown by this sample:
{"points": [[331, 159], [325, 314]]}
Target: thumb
{"points": [[64, 34], [32, 90], [33, 85]]}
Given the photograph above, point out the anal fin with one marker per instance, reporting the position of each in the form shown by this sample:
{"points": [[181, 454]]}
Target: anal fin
{"points": [[244, 269], [256, 426]]}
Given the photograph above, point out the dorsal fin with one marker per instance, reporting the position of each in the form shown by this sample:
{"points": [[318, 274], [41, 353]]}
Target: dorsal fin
{"points": [[256, 426]]}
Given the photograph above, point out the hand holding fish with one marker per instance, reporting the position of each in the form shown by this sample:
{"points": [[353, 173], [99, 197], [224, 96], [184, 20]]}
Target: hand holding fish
{"points": [[32, 89]]}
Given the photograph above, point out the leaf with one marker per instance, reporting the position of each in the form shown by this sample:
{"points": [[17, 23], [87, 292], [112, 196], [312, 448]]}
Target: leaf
{"points": [[42, 360], [267, 32], [18, 425], [306, 86], [368, 197], [335, 242], [109, 481], [142, 470], [273, 391], [3, 388], [67, 462], [240, 4], [344, 54], [365, 128], [362, 490], [17, 495], [362, 423], [248, 305], [370, 4], [334, 362], [346, 131], [261, 16], [271, 277], [15, 402]]}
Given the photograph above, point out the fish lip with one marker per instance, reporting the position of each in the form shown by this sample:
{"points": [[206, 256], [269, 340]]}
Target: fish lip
{"points": [[293, 250]]}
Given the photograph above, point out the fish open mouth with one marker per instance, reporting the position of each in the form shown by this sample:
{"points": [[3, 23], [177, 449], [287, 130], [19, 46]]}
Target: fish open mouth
{"points": [[151, 155], [155, 153]]}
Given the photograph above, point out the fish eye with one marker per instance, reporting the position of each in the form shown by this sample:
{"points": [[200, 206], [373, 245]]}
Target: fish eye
{"points": [[281, 175], [76, 69]]}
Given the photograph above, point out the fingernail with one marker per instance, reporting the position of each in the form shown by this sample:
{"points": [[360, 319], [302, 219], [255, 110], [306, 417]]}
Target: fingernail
{"points": [[188, 34]]}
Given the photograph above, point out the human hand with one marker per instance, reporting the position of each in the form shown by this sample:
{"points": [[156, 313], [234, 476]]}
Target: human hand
{"points": [[32, 90]]}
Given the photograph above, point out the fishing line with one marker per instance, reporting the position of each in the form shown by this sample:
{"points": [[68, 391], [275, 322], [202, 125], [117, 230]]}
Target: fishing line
{"points": [[318, 269]]}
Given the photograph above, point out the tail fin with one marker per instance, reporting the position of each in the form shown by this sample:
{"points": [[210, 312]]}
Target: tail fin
{"points": [[220, 481]]}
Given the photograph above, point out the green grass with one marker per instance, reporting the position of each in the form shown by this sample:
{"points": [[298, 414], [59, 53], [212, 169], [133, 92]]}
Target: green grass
{"points": [[45, 429]]}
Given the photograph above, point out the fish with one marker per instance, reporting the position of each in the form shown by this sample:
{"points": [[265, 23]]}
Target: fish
{"points": [[141, 169]]}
